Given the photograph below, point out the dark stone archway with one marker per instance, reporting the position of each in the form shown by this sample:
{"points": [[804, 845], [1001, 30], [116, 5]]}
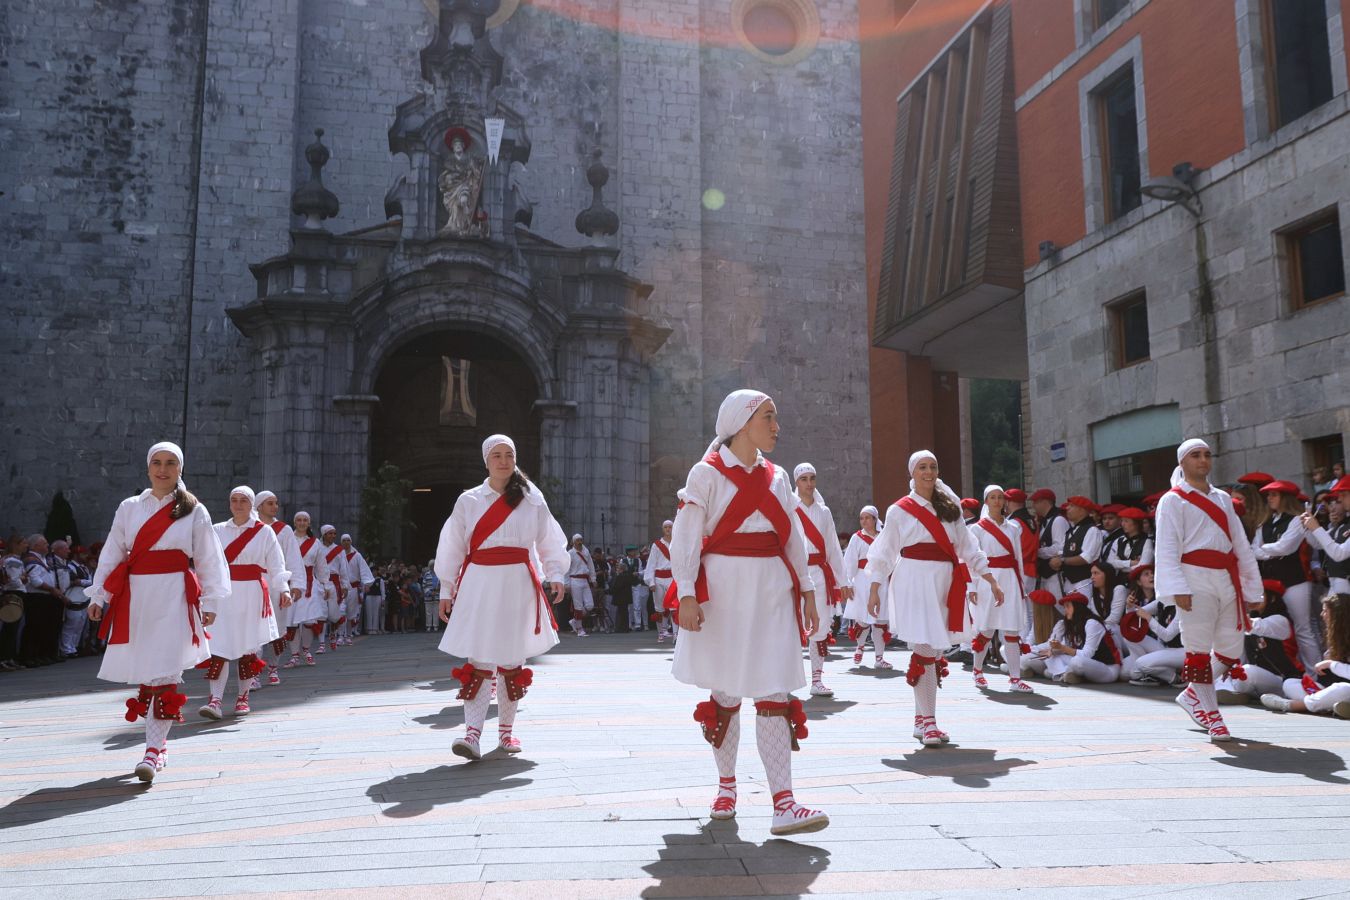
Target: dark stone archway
{"points": [[431, 421]]}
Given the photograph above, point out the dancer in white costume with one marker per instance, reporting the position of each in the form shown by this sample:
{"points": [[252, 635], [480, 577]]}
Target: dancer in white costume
{"points": [[358, 578], [1206, 566], [658, 576], [864, 627], [929, 555], [826, 564], [501, 615], [268, 507], [746, 602], [312, 609], [1001, 540], [159, 580], [335, 567], [246, 620], [580, 583]]}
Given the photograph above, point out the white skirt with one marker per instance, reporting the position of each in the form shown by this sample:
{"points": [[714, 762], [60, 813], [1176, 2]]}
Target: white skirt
{"points": [[1011, 616], [494, 615], [285, 615], [918, 604], [240, 627], [311, 607], [749, 645], [856, 608], [159, 638], [824, 608]]}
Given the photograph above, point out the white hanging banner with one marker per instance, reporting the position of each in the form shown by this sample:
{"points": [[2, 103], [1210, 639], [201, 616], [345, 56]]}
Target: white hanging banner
{"points": [[494, 129]]}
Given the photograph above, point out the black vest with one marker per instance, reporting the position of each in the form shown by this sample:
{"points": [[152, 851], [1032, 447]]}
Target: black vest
{"points": [[1024, 516], [1271, 655], [1131, 548], [1102, 605], [1288, 570], [1106, 650], [1043, 565], [1107, 543], [1073, 546], [1164, 617], [1339, 534]]}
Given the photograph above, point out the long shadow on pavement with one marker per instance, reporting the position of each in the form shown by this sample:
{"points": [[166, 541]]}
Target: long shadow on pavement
{"points": [[55, 802], [420, 792], [1260, 756], [446, 719], [819, 709], [1037, 701], [199, 727], [972, 767], [784, 867]]}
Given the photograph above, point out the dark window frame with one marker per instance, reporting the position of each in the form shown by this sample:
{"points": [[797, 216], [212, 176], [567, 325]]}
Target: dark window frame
{"points": [[1293, 246], [1321, 59], [1117, 312], [1100, 13], [1113, 207]]}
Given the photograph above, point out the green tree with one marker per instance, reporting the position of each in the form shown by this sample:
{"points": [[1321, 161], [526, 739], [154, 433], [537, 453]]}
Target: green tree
{"points": [[384, 501], [995, 433]]}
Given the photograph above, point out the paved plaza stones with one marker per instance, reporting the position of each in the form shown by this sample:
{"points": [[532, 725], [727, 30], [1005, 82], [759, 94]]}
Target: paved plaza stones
{"points": [[341, 782]]}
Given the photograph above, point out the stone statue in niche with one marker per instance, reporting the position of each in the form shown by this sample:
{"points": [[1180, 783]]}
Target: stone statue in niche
{"points": [[461, 186]]}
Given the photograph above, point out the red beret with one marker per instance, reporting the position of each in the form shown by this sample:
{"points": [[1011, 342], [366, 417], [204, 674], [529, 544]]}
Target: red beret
{"points": [[1114, 508], [1281, 487], [1256, 478], [1017, 495], [1337, 488], [1152, 499], [1140, 570], [1074, 597], [1081, 502], [969, 503], [1133, 627], [1275, 587], [1042, 598], [1133, 512], [1043, 494]]}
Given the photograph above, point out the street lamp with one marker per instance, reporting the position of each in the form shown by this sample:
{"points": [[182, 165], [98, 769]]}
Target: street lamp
{"points": [[1179, 187]]}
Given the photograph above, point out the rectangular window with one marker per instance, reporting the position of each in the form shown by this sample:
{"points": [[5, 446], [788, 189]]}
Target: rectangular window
{"points": [[1316, 265], [1119, 140], [1104, 11], [1129, 330], [1298, 58]]}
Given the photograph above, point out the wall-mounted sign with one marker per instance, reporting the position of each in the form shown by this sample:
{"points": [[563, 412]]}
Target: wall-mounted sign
{"points": [[1057, 452]]}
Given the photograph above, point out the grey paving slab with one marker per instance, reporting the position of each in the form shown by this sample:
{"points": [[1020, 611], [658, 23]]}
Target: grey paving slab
{"points": [[1101, 793]]}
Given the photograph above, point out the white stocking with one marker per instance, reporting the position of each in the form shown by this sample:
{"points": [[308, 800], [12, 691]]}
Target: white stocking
{"points": [[1012, 655], [218, 684], [879, 640], [725, 755], [981, 654], [475, 710], [774, 740], [1209, 701], [157, 730], [817, 661], [243, 682], [506, 707]]}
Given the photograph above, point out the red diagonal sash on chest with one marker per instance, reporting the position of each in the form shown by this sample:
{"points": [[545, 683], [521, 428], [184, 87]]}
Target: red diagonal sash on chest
{"points": [[662, 572], [753, 495], [818, 558], [332, 575], [249, 572], [141, 560], [1003, 541], [1217, 559], [487, 525], [866, 539], [309, 570], [942, 550]]}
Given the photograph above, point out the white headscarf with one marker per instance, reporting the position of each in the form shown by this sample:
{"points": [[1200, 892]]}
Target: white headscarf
{"points": [[345, 537], [496, 441], [246, 491], [984, 510], [872, 511], [918, 456], [803, 469], [669, 522], [262, 497], [325, 529], [734, 412], [1186, 447]]}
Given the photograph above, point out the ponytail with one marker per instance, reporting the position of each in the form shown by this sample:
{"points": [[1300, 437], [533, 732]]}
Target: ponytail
{"points": [[946, 510], [516, 488], [183, 502]]}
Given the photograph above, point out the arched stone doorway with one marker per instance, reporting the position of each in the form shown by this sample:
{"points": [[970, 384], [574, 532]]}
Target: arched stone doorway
{"points": [[441, 393]]}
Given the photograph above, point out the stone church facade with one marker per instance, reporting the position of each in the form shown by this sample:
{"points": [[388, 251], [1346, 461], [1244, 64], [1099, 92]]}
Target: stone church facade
{"points": [[673, 211]]}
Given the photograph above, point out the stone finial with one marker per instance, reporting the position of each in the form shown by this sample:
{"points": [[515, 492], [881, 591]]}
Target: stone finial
{"points": [[312, 200], [598, 220]]}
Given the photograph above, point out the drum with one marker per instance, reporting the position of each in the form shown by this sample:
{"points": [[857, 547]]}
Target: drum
{"points": [[78, 599], [11, 608]]}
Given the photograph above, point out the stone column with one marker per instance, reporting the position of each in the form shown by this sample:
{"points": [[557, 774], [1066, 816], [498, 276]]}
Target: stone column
{"points": [[349, 451]]}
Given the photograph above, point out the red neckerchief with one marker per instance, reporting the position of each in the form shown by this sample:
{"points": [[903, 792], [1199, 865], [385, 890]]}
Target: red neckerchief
{"points": [[956, 594]]}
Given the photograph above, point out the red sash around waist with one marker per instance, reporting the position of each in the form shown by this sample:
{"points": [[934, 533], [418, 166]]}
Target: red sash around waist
{"points": [[956, 594], [753, 544], [1228, 562], [514, 556], [254, 573], [1002, 562], [117, 620], [662, 573]]}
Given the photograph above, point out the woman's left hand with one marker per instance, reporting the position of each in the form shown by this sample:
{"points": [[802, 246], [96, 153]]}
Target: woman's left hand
{"points": [[810, 618], [557, 589]]}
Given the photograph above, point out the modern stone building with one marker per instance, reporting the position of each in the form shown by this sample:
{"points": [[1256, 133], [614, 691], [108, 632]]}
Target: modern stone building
{"points": [[1145, 226], [674, 211]]}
